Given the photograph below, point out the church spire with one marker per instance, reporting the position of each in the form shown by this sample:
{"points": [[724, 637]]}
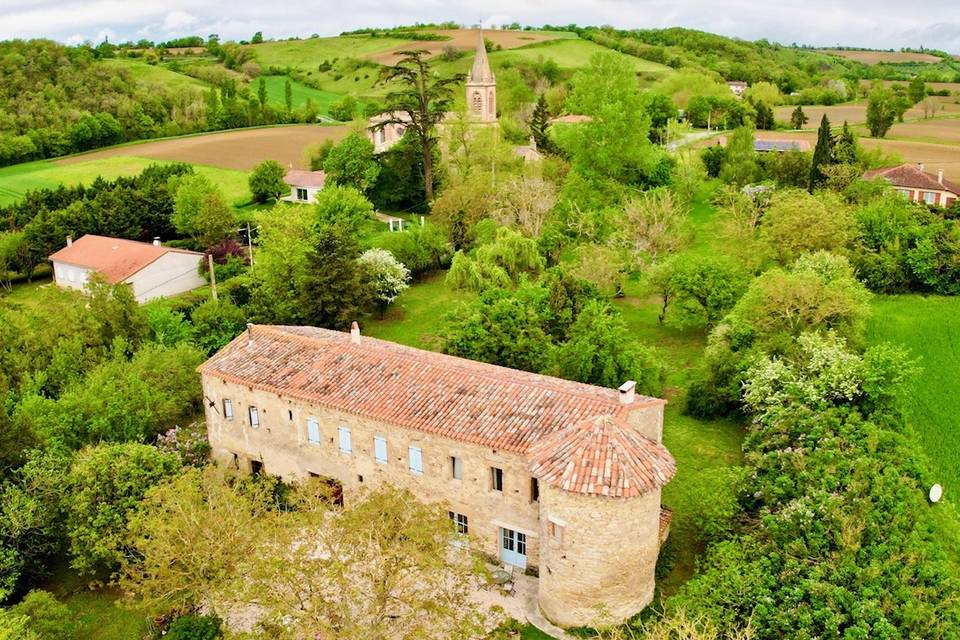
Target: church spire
{"points": [[481, 65]]}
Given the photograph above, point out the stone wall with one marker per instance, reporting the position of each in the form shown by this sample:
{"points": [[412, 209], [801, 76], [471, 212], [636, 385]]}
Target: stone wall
{"points": [[601, 555], [281, 445]]}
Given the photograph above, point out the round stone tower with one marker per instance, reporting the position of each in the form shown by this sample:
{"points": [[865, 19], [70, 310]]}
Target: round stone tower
{"points": [[601, 524]]}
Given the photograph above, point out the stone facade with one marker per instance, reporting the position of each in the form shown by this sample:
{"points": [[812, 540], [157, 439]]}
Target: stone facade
{"points": [[272, 405]]}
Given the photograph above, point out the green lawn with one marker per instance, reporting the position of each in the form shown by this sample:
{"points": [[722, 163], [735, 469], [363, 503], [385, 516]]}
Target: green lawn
{"points": [[154, 74], [308, 54], [571, 54], [95, 612], [16, 180], [930, 327], [300, 93]]}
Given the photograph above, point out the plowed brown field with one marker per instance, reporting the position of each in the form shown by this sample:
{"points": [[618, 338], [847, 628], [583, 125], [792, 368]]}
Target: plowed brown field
{"points": [[242, 149], [465, 39]]}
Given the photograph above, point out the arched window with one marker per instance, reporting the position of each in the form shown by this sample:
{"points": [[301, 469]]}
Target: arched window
{"points": [[476, 102]]}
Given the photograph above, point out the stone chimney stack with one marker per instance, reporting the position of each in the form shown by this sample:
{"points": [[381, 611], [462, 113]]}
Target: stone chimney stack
{"points": [[628, 392], [249, 334], [156, 241], [70, 239], [940, 176], [920, 166], [355, 333]]}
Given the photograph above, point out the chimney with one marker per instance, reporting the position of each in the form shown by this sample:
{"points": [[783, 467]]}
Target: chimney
{"points": [[156, 241], [628, 392], [920, 166], [940, 176], [533, 143], [70, 238], [355, 333], [249, 334]]}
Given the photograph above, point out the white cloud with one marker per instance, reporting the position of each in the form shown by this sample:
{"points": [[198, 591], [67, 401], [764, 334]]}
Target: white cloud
{"points": [[178, 20]]}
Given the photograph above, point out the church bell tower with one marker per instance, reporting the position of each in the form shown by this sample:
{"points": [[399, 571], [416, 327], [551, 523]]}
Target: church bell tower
{"points": [[482, 87]]}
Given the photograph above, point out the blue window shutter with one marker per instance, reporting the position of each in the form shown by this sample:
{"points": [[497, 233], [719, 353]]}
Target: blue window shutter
{"points": [[380, 449], [345, 445], [416, 460], [313, 431]]}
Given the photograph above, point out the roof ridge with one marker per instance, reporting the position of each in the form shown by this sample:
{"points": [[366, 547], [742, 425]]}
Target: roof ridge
{"points": [[539, 380]]}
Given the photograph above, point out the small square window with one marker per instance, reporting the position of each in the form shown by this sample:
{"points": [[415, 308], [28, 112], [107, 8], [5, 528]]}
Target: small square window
{"points": [[456, 468], [496, 478], [228, 409], [459, 522], [254, 415], [360, 479]]}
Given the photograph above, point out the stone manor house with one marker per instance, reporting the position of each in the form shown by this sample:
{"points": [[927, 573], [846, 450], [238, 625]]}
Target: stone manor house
{"points": [[559, 478]]}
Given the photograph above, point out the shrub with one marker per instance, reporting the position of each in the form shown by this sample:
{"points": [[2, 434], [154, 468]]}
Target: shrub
{"points": [[195, 628]]}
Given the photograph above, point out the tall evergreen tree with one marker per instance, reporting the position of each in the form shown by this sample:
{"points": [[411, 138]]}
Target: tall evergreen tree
{"points": [[262, 92], [419, 103], [822, 155], [798, 118], [764, 118], [539, 124], [846, 149], [288, 95], [332, 293]]}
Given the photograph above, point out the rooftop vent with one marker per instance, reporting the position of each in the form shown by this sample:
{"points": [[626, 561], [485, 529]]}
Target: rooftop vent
{"points": [[355, 333]]}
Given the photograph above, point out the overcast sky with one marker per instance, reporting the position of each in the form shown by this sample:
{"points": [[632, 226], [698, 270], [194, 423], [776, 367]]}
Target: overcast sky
{"points": [[865, 23]]}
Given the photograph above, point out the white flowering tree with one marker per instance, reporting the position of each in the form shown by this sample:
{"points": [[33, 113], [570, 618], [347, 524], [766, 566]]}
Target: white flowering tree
{"points": [[387, 277]]}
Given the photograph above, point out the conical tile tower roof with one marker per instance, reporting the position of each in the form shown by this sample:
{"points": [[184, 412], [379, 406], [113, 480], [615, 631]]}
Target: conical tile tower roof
{"points": [[481, 71]]}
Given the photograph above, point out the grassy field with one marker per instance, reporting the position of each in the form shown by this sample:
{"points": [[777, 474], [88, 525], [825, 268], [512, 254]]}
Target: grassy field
{"points": [[154, 74], [571, 54], [300, 93], [308, 54], [930, 328], [876, 57], [18, 179]]}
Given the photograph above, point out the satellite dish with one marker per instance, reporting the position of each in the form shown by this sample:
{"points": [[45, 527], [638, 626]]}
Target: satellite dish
{"points": [[936, 492]]}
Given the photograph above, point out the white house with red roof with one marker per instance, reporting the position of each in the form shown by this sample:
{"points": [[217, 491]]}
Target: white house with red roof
{"points": [[152, 270], [918, 185], [304, 185], [556, 478]]}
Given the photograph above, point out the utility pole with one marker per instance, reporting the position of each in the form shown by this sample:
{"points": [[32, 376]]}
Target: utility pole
{"points": [[213, 277]]}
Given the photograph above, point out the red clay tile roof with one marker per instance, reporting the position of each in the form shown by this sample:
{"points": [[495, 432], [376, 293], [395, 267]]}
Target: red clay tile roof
{"points": [[431, 392], [299, 178], [910, 176], [602, 456], [114, 258]]}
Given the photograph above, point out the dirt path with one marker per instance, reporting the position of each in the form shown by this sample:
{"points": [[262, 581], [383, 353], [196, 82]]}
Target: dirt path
{"points": [[241, 149]]}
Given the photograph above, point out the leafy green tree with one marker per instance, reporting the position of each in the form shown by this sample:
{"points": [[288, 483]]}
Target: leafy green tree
{"points": [[386, 277], [257, 38], [351, 163], [343, 206], [195, 628], [790, 168], [601, 351], [46, 616], [540, 123], [266, 181], [796, 223], [916, 90], [661, 110], [615, 143], [882, 110], [798, 118], [822, 154], [500, 328], [331, 293], [421, 248], [419, 103], [13, 250], [200, 211], [698, 290], [764, 116], [106, 485], [262, 92], [496, 264], [216, 323], [344, 109], [740, 167]]}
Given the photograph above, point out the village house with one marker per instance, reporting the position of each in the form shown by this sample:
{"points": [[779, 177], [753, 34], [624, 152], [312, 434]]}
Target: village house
{"points": [[304, 185], [918, 185], [737, 87], [557, 478], [151, 270]]}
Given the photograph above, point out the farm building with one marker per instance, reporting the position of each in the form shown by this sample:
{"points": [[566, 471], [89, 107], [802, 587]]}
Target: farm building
{"points": [[918, 185], [152, 270], [558, 478], [304, 185], [780, 146]]}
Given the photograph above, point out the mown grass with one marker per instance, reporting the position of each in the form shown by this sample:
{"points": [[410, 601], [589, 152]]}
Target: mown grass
{"points": [[155, 74], [300, 93], [929, 326], [16, 180]]}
